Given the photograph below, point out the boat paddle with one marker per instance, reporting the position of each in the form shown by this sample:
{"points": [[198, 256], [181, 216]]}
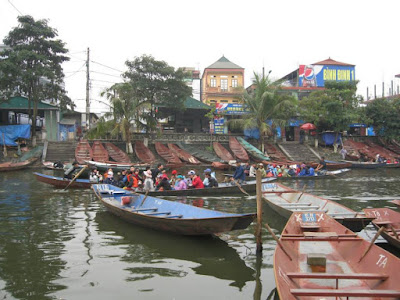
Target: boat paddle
{"points": [[76, 177], [144, 199], [4, 147], [277, 240], [372, 242], [240, 188]]}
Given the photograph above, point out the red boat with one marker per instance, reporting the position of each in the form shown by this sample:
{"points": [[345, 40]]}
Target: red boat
{"points": [[100, 153], [183, 155], [167, 154], [318, 258], [12, 166], [83, 152], [117, 154], [396, 202], [143, 153], [222, 152], [238, 149], [220, 166], [333, 165], [275, 153], [390, 220]]}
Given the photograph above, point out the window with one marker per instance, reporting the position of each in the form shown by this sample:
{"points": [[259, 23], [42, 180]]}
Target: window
{"points": [[235, 101], [213, 82], [224, 101], [234, 83], [224, 84], [213, 101]]}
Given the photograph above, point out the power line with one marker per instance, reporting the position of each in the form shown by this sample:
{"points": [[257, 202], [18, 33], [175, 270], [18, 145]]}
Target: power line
{"points": [[95, 62], [104, 81], [21, 14], [76, 71], [105, 74]]}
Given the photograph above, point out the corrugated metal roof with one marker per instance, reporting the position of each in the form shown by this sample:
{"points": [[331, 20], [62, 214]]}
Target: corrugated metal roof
{"points": [[195, 104], [332, 62], [22, 103], [224, 63]]}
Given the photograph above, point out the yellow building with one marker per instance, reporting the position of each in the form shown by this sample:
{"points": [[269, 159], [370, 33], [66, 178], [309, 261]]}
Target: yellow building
{"points": [[222, 82]]}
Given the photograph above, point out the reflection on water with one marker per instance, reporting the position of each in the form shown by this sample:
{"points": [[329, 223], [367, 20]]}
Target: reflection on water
{"points": [[63, 244]]}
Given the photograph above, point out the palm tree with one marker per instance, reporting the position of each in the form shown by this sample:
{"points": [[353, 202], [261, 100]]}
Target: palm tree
{"points": [[265, 103], [126, 109]]}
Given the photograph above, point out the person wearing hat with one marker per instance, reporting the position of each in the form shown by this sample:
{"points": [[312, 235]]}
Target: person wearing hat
{"points": [[163, 184], [239, 176], [172, 180], [68, 173], [262, 170], [189, 178], [110, 178], [181, 183]]}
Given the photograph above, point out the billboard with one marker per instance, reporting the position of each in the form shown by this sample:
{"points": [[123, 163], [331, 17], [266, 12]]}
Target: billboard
{"points": [[316, 75], [219, 125], [230, 109]]}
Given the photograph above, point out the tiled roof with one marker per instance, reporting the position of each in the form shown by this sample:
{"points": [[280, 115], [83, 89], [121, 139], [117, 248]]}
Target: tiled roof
{"points": [[195, 104], [224, 63], [332, 62]]}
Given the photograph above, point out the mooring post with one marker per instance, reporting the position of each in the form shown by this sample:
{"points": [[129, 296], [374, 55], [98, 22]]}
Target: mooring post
{"points": [[259, 211]]}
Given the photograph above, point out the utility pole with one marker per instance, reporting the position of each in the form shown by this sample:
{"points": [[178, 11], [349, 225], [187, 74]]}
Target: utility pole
{"points": [[87, 91]]}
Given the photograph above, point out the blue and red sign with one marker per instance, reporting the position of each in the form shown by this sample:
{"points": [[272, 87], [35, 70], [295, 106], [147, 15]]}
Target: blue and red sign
{"points": [[219, 125], [230, 109], [316, 75]]}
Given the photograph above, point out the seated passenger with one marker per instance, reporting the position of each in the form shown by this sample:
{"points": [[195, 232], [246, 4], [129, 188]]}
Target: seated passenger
{"points": [[311, 171], [163, 184], [180, 183], [211, 182]]}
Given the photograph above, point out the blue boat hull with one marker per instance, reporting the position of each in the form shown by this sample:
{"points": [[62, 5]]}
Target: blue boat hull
{"points": [[169, 216]]}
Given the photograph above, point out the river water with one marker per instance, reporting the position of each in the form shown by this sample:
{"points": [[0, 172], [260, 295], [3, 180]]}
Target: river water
{"points": [[58, 244]]}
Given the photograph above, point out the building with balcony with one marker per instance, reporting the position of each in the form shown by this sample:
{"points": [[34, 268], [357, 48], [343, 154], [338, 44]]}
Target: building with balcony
{"points": [[222, 82]]}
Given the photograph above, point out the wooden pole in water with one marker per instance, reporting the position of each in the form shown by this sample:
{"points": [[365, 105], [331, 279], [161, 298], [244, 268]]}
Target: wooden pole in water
{"points": [[259, 211]]}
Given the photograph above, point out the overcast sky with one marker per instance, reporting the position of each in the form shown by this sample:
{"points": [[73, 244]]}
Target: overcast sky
{"points": [[277, 34]]}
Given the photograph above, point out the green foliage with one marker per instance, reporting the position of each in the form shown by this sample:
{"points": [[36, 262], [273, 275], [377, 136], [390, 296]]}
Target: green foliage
{"points": [[102, 128], [333, 108], [157, 84], [265, 102], [31, 63], [384, 116]]}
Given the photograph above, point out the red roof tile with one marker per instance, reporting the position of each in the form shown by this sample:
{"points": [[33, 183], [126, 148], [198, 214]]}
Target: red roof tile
{"points": [[332, 62]]}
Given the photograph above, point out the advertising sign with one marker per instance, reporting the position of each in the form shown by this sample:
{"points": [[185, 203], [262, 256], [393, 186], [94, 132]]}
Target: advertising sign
{"points": [[316, 75], [219, 124], [230, 109]]}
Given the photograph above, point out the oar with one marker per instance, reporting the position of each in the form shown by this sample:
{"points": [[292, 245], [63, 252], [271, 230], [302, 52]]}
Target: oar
{"points": [[240, 188], [277, 240], [4, 147], [76, 177], [144, 199], [372, 242], [304, 188]]}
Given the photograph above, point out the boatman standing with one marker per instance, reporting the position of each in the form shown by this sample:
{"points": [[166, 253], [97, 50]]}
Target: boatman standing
{"points": [[239, 175], [70, 171]]}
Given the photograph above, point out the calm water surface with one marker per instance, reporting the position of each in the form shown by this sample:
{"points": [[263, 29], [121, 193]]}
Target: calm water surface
{"points": [[58, 244]]}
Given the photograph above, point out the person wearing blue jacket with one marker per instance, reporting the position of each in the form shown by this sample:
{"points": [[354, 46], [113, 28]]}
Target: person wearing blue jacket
{"points": [[239, 174]]}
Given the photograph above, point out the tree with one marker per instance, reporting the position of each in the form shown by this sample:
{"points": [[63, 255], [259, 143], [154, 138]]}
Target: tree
{"points": [[334, 108], [31, 65], [126, 109], [384, 116], [156, 83], [265, 103]]}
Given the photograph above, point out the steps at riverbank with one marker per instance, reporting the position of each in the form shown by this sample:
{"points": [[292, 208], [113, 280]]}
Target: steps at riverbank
{"points": [[61, 151], [298, 152]]}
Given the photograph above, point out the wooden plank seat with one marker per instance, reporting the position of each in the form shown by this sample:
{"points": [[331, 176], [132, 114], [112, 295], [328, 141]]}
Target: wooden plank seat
{"points": [[383, 222], [320, 234], [338, 275], [338, 235], [144, 209], [314, 207], [158, 213], [345, 293], [174, 216], [296, 204]]}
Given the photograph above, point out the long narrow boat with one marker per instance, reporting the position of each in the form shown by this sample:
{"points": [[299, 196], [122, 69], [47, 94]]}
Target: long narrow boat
{"points": [[223, 188], [60, 182], [326, 175], [167, 154], [275, 153], [396, 202], [238, 149], [202, 155], [170, 216], [222, 152], [143, 153], [13, 166], [286, 201], [117, 154], [83, 152], [99, 152], [390, 220], [253, 151], [333, 165], [115, 166], [183, 155], [365, 165], [318, 258]]}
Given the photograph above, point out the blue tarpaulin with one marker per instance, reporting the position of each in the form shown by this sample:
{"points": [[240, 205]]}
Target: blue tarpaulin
{"points": [[10, 133], [253, 133], [329, 137]]}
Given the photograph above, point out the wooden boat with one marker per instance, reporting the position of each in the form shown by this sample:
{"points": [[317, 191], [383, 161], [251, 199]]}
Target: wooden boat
{"points": [[365, 165], [143, 153], [222, 189], [183, 155], [222, 152], [115, 166], [390, 220], [83, 152], [326, 175], [253, 151], [117, 154], [202, 155], [170, 216], [286, 201], [99, 152], [50, 165], [333, 165], [220, 166], [167, 154], [60, 182], [395, 202], [275, 153], [318, 258], [19, 165], [238, 150]]}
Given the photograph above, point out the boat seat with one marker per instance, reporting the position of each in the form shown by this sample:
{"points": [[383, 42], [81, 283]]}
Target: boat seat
{"points": [[144, 209], [309, 226], [174, 216], [320, 234], [338, 275], [313, 207], [346, 293], [158, 213], [295, 204], [383, 222]]}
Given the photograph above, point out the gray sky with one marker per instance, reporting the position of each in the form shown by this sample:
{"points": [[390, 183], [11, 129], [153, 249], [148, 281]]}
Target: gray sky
{"points": [[277, 34]]}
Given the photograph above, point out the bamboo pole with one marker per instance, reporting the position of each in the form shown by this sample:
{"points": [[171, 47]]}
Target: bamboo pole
{"points": [[259, 211]]}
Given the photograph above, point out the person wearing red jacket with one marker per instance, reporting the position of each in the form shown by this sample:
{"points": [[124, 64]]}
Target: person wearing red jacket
{"points": [[197, 183]]}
